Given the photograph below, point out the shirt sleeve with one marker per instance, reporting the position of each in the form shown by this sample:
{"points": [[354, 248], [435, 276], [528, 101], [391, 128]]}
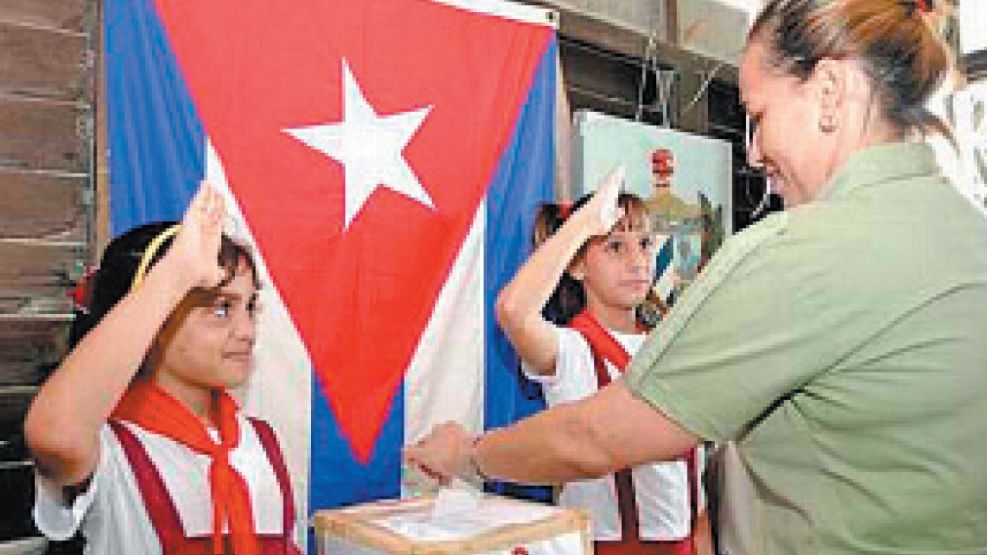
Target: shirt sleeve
{"points": [[57, 520], [574, 376], [763, 320]]}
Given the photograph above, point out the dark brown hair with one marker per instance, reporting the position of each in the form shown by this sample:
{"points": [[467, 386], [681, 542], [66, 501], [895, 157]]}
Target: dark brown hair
{"points": [[903, 55], [569, 297], [113, 279]]}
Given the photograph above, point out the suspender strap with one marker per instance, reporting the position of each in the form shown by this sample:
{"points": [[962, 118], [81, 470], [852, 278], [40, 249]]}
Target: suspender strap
{"points": [[164, 515], [270, 443], [630, 527], [600, 341], [160, 507], [692, 464], [604, 346]]}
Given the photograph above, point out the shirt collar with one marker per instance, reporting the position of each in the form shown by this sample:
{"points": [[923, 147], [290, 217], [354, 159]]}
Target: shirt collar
{"points": [[880, 164]]}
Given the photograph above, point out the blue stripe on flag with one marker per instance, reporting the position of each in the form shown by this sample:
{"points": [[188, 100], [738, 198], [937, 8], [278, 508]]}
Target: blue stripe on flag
{"points": [[524, 180], [336, 478], [155, 135]]}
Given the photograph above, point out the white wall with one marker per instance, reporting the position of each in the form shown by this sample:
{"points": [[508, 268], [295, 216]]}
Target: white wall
{"points": [[643, 16], [749, 6], [716, 28], [973, 25]]}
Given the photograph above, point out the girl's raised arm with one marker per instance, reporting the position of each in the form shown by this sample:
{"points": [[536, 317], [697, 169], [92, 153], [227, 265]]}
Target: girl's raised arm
{"points": [[520, 302], [62, 425]]}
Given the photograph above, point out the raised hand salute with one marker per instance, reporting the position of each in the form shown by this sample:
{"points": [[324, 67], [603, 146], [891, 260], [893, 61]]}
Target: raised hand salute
{"points": [[63, 423]]}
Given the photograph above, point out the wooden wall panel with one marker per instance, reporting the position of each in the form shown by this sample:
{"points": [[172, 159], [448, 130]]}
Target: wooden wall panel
{"points": [[42, 63], [47, 99], [608, 75], [47, 206], [13, 406], [34, 277], [12, 447], [55, 14], [30, 349], [17, 485], [43, 135]]}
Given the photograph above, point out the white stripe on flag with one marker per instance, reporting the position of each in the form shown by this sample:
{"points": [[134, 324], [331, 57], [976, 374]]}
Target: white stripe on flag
{"points": [[279, 390], [508, 10], [445, 380]]}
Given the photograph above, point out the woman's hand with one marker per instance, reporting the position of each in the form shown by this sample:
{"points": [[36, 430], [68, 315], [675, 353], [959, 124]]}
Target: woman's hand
{"points": [[195, 252], [602, 211], [443, 454]]}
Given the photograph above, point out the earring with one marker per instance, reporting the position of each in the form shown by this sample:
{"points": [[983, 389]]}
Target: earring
{"points": [[827, 123]]}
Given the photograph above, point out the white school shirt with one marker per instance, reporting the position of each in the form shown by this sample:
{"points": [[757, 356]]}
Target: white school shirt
{"points": [[660, 490], [111, 512]]}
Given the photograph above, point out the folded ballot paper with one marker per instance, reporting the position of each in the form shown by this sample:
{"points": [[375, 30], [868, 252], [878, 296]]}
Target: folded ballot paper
{"points": [[456, 521]]}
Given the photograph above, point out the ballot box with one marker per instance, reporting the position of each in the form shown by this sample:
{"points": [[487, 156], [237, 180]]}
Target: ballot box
{"points": [[483, 525]]}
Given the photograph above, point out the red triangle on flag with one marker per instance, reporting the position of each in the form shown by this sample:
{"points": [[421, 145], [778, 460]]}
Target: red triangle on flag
{"points": [[360, 295]]}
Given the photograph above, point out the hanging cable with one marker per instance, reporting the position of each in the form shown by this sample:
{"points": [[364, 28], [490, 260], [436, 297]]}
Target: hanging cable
{"points": [[646, 60], [702, 88], [664, 80]]}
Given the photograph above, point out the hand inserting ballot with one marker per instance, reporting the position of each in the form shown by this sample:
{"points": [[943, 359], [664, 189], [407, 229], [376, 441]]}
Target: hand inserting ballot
{"points": [[445, 453]]}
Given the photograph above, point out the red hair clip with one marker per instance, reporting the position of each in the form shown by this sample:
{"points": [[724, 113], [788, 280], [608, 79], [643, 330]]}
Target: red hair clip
{"points": [[82, 295], [916, 7], [565, 208]]}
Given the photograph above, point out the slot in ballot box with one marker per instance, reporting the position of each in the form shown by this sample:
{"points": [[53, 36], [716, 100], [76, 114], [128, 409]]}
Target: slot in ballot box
{"points": [[490, 525]]}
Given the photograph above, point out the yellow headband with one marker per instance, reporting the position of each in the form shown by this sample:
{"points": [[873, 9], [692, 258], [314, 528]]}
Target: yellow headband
{"points": [[149, 252]]}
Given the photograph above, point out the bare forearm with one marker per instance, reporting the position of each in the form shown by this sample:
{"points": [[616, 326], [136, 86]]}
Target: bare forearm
{"points": [[535, 281], [590, 438], [551, 447], [531, 288], [63, 422], [612, 429], [520, 303], [95, 374]]}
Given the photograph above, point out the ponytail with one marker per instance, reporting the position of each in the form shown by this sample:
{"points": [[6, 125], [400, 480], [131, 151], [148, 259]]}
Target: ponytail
{"points": [[896, 41], [569, 298]]}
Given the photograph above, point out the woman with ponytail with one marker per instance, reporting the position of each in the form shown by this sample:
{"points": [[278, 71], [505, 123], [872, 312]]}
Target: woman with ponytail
{"points": [[839, 343], [136, 440]]}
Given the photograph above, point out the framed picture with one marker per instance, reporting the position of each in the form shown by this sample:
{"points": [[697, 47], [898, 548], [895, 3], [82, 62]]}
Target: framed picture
{"points": [[684, 179]]}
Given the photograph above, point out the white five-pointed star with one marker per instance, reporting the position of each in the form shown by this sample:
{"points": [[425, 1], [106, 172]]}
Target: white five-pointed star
{"points": [[370, 148]]}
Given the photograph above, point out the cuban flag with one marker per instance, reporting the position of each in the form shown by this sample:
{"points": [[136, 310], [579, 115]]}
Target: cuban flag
{"points": [[664, 280], [384, 159]]}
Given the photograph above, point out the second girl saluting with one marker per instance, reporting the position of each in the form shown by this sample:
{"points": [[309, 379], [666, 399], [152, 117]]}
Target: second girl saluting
{"points": [[591, 270]]}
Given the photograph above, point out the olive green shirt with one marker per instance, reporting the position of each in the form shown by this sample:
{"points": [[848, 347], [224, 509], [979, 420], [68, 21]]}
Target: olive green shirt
{"points": [[843, 345]]}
